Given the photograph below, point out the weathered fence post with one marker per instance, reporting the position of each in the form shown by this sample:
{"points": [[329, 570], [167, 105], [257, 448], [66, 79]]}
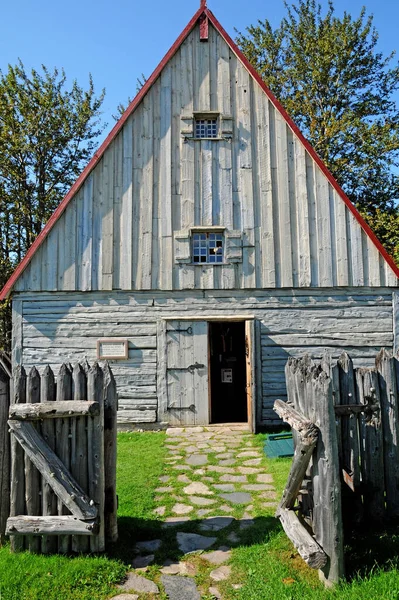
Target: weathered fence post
{"points": [[32, 475], [49, 499], [79, 458], [390, 425], [4, 452], [64, 392], [110, 448], [17, 496], [96, 453]]}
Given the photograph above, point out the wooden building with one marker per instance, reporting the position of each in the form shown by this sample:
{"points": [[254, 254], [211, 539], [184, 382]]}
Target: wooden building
{"points": [[203, 245]]}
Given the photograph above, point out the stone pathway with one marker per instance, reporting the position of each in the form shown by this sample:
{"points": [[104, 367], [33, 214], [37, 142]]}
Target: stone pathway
{"points": [[212, 489]]}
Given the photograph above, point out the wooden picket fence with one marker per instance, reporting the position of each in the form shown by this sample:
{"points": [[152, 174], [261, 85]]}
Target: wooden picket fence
{"points": [[346, 464], [63, 459]]}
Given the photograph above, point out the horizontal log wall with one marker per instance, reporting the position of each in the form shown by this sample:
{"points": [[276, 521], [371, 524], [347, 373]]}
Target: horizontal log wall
{"points": [[50, 328], [118, 231]]}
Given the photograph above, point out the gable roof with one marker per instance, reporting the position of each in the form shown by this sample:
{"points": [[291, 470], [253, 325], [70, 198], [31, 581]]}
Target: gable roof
{"points": [[202, 12]]}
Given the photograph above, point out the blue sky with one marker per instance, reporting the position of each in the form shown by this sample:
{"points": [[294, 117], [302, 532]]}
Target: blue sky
{"points": [[118, 41]]}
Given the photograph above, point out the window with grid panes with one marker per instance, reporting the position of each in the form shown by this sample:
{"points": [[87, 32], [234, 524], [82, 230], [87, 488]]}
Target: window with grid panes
{"points": [[208, 247], [206, 128]]}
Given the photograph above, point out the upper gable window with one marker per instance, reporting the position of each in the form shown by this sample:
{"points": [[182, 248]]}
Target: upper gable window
{"points": [[208, 247], [206, 127]]}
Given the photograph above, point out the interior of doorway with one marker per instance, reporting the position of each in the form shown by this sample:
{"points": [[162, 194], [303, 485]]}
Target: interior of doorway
{"points": [[227, 366]]}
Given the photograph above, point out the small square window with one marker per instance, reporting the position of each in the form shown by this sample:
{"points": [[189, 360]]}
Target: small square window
{"points": [[207, 248], [206, 128]]}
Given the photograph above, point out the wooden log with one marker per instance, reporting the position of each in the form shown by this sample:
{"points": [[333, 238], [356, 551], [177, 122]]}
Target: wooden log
{"points": [[390, 428], [62, 446], [53, 470], [4, 452], [306, 442], [17, 497], [50, 526], [54, 410], [79, 460], [327, 511], [307, 547], [49, 499], [96, 454], [110, 449], [372, 446], [33, 482]]}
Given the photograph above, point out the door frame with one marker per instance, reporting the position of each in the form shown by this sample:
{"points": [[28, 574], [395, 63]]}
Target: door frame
{"points": [[252, 326]]}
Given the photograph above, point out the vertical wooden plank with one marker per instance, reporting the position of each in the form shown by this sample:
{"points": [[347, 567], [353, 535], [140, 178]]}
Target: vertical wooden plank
{"points": [[146, 196], [186, 272], [341, 242], [284, 202], [206, 182], [356, 251], [372, 460], [373, 264], [126, 228], [310, 183], [157, 198], [17, 497], [244, 107], [62, 446], [202, 73], [86, 233], [107, 219], [16, 342], [138, 205], [304, 279], [395, 308], [117, 207], [95, 430], [49, 499], [79, 449], [323, 229], [32, 475], [69, 249], [110, 450], [386, 368], [165, 183], [98, 213], [4, 452]]}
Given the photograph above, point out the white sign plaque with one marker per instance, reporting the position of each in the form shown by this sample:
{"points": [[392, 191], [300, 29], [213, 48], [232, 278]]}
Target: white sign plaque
{"points": [[227, 375], [112, 348]]}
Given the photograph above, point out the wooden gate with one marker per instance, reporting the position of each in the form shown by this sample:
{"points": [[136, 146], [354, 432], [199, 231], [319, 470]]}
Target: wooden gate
{"points": [[346, 464], [184, 393], [63, 460]]}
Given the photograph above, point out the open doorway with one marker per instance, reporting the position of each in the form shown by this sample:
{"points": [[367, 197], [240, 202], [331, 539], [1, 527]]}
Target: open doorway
{"points": [[228, 373]]}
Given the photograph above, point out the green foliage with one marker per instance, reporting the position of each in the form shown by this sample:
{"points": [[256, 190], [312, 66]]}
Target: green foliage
{"points": [[336, 85], [48, 132]]}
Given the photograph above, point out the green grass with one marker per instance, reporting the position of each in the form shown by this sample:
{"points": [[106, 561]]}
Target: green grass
{"points": [[264, 561]]}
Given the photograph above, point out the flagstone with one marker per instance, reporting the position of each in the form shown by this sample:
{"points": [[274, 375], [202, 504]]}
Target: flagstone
{"points": [[160, 510], [175, 521], [224, 455], [225, 508], [140, 584], [192, 542], [234, 478], [237, 497], [219, 469], [225, 487], [203, 511], [178, 588], [264, 478], [148, 546], [248, 470], [269, 495], [183, 479], [246, 521], [215, 593], [182, 509], [257, 487], [227, 462], [248, 453], [221, 573], [217, 557], [198, 488], [216, 523], [164, 478], [197, 460], [164, 490], [141, 562], [252, 462], [199, 501]]}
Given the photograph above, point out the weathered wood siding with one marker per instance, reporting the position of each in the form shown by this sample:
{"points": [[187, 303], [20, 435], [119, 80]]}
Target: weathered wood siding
{"points": [[119, 230], [53, 328]]}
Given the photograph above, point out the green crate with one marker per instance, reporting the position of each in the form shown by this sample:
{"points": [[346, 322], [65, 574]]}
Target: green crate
{"points": [[278, 445]]}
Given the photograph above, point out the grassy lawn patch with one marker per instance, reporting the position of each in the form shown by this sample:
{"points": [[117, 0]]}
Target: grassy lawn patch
{"points": [[264, 561]]}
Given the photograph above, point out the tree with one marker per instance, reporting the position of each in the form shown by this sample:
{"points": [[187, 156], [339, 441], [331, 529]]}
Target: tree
{"points": [[336, 85], [48, 132]]}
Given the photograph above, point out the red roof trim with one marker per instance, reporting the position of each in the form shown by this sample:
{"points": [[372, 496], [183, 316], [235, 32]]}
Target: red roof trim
{"points": [[305, 142], [118, 126]]}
